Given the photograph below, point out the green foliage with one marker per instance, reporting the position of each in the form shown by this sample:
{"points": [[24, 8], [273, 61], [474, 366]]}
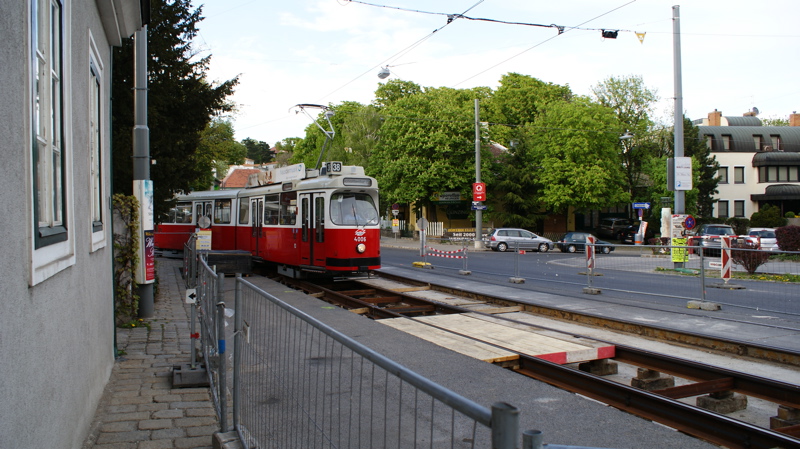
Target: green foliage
{"points": [[788, 238], [181, 103], [775, 121], [632, 103], [258, 151], [579, 161], [519, 100], [427, 145], [768, 217], [704, 168], [739, 225], [789, 214], [126, 258], [393, 90], [216, 150]]}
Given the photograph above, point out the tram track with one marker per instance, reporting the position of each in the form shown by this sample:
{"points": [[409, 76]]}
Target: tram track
{"points": [[662, 405]]}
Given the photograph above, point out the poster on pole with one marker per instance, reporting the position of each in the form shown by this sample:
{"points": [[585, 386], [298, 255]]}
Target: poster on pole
{"points": [[145, 270]]}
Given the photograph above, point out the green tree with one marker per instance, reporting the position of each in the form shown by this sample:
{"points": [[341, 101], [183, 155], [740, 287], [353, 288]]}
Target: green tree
{"points": [[518, 101], [181, 103], [257, 150], [427, 145], [704, 168], [387, 93], [632, 103], [775, 121], [578, 156], [216, 150], [285, 149]]}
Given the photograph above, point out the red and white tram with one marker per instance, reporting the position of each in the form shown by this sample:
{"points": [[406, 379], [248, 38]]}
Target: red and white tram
{"points": [[302, 220]]}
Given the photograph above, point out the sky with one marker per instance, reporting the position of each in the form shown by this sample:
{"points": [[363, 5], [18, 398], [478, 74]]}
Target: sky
{"points": [[734, 54]]}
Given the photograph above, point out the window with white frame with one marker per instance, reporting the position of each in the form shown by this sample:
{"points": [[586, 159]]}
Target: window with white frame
{"points": [[738, 175], [738, 209], [722, 209], [47, 121], [95, 147], [722, 173]]}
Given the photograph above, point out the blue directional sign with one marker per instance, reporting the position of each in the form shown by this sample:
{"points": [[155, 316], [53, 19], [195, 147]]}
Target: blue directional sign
{"points": [[641, 205]]}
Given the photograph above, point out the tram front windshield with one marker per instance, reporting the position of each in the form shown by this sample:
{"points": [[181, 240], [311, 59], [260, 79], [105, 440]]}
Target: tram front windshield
{"points": [[353, 209]]}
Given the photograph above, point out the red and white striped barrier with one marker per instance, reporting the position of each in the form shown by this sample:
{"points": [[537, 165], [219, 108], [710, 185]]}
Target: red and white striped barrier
{"points": [[446, 254], [725, 271], [590, 241]]}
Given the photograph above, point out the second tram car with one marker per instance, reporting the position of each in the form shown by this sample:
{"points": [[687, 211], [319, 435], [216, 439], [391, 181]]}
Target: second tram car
{"points": [[302, 220]]}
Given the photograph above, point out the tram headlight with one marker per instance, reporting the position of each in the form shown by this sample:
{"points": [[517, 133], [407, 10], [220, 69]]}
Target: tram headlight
{"points": [[360, 248]]}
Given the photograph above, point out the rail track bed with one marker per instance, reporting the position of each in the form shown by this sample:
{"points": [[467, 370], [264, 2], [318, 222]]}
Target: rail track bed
{"points": [[696, 398]]}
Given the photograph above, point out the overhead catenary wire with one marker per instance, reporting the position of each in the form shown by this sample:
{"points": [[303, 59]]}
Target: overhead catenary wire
{"points": [[399, 54]]}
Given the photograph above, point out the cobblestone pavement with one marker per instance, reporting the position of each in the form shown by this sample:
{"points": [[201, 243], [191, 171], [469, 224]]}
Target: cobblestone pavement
{"points": [[139, 408]]}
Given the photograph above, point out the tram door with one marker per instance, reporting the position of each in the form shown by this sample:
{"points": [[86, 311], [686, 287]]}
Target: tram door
{"points": [[312, 229], [257, 226]]}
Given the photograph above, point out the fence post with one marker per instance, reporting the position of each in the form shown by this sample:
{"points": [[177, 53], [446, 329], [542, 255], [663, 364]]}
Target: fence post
{"points": [[237, 348], [702, 276], [223, 399], [532, 439], [505, 426]]}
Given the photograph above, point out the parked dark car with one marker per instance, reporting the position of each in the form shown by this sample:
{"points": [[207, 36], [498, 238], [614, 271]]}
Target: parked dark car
{"points": [[628, 235], [707, 238], [576, 241], [611, 228], [503, 239]]}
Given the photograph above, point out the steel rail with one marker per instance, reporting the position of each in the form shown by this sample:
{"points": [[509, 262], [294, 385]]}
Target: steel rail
{"points": [[695, 421], [741, 348]]}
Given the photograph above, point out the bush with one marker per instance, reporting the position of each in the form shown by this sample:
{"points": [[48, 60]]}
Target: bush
{"points": [[739, 225], [788, 238], [790, 214], [749, 255], [768, 217]]}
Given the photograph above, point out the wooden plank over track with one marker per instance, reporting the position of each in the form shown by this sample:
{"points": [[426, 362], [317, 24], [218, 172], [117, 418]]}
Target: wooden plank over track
{"points": [[513, 337], [457, 343]]}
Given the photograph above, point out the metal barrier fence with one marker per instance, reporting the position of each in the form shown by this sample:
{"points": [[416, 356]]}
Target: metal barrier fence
{"points": [[300, 383], [211, 314]]}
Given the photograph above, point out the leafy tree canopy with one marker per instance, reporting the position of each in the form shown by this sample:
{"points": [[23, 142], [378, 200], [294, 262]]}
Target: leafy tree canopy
{"points": [[427, 145], [257, 150], [576, 146], [216, 150], [181, 103]]}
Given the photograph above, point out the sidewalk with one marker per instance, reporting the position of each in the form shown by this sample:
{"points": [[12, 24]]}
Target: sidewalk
{"points": [[139, 408]]}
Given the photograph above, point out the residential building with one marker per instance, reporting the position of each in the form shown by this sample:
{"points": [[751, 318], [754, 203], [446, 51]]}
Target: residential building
{"points": [[758, 164], [57, 325]]}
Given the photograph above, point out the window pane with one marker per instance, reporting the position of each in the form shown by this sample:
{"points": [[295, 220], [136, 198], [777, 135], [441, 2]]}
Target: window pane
{"points": [[738, 208], [793, 177], [94, 136], [222, 211], [722, 209], [723, 175], [738, 175]]}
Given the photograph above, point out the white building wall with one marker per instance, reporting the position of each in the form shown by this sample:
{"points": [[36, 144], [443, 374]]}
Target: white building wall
{"points": [[57, 325], [733, 191]]}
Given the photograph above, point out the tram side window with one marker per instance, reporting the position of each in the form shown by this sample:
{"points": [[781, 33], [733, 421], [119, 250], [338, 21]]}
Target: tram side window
{"points": [[289, 208], [351, 209], [181, 213], [271, 209], [222, 211], [244, 211]]}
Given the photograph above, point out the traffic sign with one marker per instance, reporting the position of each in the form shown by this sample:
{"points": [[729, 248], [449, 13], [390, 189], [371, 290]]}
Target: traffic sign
{"points": [[641, 205], [478, 207], [478, 191], [689, 222]]}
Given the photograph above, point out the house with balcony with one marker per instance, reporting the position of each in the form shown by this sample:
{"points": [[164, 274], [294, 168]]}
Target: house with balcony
{"points": [[758, 164]]}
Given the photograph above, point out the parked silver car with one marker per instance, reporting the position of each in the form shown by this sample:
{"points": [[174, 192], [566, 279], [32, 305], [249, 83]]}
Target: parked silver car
{"points": [[765, 237], [503, 239]]}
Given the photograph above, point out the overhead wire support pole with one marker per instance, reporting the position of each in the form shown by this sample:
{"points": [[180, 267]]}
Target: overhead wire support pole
{"points": [[680, 195], [329, 135]]}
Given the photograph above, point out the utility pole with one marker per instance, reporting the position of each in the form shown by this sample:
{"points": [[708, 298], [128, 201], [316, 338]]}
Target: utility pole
{"points": [[142, 185], [680, 195], [478, 212]]}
